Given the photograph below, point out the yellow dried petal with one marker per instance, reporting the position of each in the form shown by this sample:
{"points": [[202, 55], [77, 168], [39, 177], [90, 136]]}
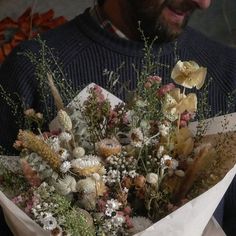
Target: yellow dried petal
{"points": [[189, 103], [176, 103], [184, 142], [189, 74]]}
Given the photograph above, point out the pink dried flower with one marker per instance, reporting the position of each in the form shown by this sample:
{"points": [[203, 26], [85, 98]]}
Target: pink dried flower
{"points": [[127, 210], [154, 79], [17, 200], [151, 80], [120, 213], [101, 205], [185, 116], [165, 89], [113, 118], [125, 119], [98, 92], [28, 207], [18, 145], [128, 222], [183, 123], [47, 135], [148, 85], [184, 119]]}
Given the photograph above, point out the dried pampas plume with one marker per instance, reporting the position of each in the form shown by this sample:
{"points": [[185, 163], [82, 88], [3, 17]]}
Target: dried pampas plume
{"points": [[203, 158], [55, 93], [64, 120], [33, 143]]}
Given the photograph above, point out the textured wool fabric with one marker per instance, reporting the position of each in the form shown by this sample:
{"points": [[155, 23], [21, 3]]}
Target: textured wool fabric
{"points": [[85, 50]]}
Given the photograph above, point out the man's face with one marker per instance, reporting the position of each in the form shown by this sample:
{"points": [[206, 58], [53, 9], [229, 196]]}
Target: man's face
{"points": [[162, 18]]}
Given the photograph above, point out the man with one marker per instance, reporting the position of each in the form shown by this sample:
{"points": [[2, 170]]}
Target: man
{"points": [[106, 36]]}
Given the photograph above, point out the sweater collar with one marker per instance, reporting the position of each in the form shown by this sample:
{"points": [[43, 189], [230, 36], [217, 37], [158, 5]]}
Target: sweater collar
{"points": [[105, 23], [95, 33]]}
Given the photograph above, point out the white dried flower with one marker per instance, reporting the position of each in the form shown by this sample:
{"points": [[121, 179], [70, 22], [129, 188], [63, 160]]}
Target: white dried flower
{"points": [[92, 187], [109, 212], [165, 160], [136, 137], [65, 166], [65, 137], [86, 186], [96, 176], [132, 174], [102, 171], [54, 175], [174, 164], [160, 151], [64, 154], [113, 176], [118, 220], [66, 185], [54, 143], [152, 178], [87, 165], [78, 152], [64, 120], [49, 223], [86, 161], [113, 204], [139, 224], [164, 130]]}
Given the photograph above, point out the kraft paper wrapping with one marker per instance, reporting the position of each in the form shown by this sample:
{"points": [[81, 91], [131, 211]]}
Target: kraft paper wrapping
{"points": [[19, 223], [194, 218]]}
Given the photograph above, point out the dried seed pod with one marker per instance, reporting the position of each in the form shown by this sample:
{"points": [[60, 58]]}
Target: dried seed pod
{"points": [[139, 181], [180, 173]]}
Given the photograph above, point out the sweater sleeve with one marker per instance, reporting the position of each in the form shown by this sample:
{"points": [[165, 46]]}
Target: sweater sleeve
{"points": [[18, 89]]}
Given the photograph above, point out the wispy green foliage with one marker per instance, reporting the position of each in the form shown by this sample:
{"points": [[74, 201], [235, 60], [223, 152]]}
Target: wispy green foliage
{"points": [[45, 63]]}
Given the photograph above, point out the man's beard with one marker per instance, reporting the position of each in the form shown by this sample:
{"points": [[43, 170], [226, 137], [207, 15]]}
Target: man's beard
{"points": [[162, 32], [148, 19]]}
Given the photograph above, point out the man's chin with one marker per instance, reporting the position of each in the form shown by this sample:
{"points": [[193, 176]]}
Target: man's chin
{"points": [[172, 34], [168, 32]]}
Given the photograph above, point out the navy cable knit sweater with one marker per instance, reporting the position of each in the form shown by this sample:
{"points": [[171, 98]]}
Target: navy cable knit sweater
{"points": [[85, 50]]}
